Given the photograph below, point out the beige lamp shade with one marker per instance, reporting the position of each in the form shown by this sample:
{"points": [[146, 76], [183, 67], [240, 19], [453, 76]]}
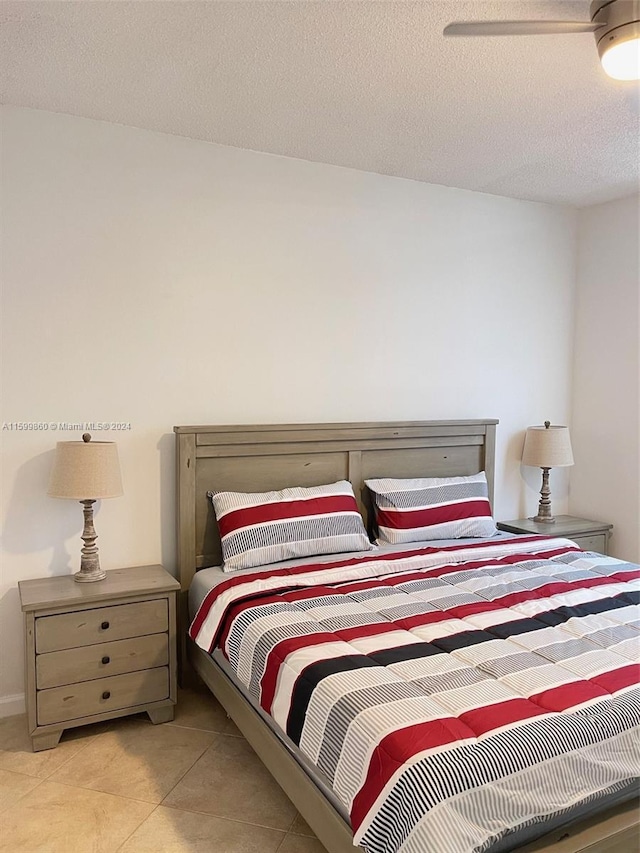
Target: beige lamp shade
{"points": [[85, 470], [547, 447]]}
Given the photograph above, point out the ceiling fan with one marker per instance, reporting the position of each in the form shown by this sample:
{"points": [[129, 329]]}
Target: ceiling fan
{"points": [[615, 24]]}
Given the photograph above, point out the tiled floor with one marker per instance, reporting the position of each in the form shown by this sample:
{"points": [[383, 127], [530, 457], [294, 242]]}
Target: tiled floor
{"points": [[190, 786]]}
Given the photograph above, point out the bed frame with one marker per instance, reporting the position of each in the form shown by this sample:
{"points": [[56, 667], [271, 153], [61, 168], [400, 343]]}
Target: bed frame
{"points": [[262, 458]]}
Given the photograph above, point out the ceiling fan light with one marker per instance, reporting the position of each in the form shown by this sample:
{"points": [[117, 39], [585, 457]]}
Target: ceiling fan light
{"points": [[618, 37], [622, 59]]}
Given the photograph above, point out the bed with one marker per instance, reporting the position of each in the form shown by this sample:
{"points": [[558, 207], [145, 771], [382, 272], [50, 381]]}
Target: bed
{"points": [[262, 458]]}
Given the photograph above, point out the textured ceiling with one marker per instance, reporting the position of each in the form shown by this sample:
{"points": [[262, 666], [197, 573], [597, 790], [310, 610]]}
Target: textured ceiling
{"points": [[371, 85]]}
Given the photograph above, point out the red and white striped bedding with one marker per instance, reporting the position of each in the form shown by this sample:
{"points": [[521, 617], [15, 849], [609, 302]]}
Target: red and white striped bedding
{"points": [[448, 696]]}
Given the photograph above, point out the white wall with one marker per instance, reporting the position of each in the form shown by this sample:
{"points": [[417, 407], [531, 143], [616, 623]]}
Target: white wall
{"points": [[605, 482], [157, 280]]}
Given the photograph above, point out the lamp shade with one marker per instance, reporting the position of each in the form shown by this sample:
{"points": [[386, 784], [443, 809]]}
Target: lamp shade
{"points": [[85, 470], [547, 447]]}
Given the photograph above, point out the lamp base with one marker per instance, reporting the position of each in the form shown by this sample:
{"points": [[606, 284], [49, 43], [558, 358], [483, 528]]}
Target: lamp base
{"points": [[87, 577], [544, 515], [89, 560]]}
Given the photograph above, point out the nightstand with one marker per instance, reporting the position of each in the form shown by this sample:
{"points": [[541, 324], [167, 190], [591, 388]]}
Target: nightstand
{"points": [[98, 650], [589, 535]]}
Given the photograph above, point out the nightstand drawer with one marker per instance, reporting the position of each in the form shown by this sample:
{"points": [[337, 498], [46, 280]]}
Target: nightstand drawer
{"points": [[595, 542], [69, 666], [61, 704], [88, 627]]}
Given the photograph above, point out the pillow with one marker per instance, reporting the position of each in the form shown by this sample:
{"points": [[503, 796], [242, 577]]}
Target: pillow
{"points": [[267, 527], [432, 508]]}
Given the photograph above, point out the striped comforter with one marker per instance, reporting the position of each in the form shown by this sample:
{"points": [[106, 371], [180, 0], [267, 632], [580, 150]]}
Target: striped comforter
{"points": [[448, 696]]}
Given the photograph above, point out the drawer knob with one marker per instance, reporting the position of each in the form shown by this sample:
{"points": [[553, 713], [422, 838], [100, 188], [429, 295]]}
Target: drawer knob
{"points": [[104, 626], [106, 659], [106, 694]]}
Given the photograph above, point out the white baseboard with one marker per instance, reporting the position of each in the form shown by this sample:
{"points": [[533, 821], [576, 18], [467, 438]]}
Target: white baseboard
{"points": [[12, 705]]}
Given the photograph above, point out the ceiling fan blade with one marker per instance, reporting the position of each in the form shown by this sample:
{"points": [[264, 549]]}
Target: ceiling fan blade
{"points": [[519, 28]]}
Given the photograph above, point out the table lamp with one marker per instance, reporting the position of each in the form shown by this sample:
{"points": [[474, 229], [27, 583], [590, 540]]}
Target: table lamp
{"points": [[86, 471], [547, 447]]}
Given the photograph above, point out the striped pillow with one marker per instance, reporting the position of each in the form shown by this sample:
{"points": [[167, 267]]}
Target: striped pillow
{"points": [[267, 527], [432, 508]]}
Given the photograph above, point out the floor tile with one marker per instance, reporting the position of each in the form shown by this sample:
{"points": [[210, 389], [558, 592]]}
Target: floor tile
{"points": [[198, 708], [46, 819], [17, 754], [230, 781], [301, 844], [232, 729], [176, 831], [301, 827], [136, 759], [13, 786]]}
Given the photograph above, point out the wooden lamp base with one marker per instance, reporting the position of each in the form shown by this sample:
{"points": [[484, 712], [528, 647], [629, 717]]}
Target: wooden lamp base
{"points": [[544, 515], [89, 561]]}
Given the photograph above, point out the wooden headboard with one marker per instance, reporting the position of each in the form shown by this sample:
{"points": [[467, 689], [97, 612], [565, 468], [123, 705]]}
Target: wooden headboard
{"points": [[262, 458]]}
